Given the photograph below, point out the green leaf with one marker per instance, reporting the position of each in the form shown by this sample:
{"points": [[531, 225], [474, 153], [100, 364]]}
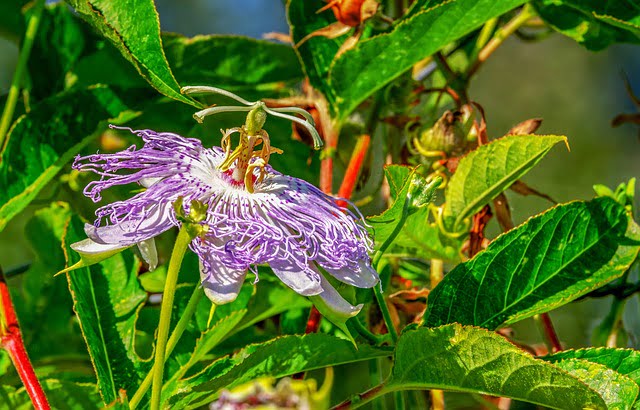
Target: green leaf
{"points": [[42, 141], [12, 24], [592, 23], [376, 61], [134, 28], [317, 53], [617, 391], [279, 357], [623, 361], [204, 344], [62, 395], [42, 302], [475, 360], [107, 298], [233, 61], [61, 40], [548, 261], [487, 171]]}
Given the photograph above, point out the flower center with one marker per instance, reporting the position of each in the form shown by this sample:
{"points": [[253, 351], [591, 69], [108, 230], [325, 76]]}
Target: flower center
{"points": [[242, 161]]}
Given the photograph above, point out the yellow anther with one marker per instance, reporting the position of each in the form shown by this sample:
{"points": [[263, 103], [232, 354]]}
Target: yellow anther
{"points": [[248, 177], [245, 158]]}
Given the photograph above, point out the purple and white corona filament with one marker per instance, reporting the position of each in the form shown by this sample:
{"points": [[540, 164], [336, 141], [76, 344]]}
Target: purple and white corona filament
{"points": [[255, 215]]}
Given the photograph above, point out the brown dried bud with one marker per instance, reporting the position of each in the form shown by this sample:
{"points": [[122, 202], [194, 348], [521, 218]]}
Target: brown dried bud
{"points": [[526, 127]]}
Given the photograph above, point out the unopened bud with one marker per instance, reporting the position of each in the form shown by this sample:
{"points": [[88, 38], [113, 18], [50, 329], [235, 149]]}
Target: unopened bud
{"points": [[449, 134], [422, 191]]}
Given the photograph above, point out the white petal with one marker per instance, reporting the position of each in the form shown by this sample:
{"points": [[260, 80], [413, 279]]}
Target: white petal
{"points": [[89, 247], [305, 283], [365, 277], [147, 182], [221, 284], [149, 252], [92, 252]]}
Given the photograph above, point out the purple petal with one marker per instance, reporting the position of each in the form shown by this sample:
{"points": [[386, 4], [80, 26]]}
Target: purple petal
{"points": [[335, 302], [306, 283], [362, 277], [221, 284], [136, 228]]}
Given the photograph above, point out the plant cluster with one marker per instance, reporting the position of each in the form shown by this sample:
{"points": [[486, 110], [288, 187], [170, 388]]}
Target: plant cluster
{"points": [[330, 248]]}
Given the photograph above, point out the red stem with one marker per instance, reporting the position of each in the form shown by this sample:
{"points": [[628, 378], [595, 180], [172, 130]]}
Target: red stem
{"points": [[353, 169], [11, 341], [550, 333]]}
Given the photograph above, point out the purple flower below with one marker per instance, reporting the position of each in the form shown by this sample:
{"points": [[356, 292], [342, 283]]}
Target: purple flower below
{"points": [[285, 222]]}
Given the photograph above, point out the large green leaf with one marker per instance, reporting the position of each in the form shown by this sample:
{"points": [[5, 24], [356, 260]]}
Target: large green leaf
{"points": [[61, 394], [617, 391], [492, 168], [134, 28], [107, 298], [61, 40], [233, 61], [545, 263], [623, 361], [376, 61], [204, 344], [280, 357], [42, 302], [475, 360], [594, 24], [42, 141]]}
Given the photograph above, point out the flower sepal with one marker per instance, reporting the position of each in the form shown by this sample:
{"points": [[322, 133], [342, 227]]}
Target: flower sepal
{"points": [[333, 306], [192, 220], [91, 253]]}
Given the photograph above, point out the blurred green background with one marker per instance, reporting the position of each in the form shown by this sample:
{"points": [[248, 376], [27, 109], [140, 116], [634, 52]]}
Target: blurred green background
{"points": [[575, 91]]}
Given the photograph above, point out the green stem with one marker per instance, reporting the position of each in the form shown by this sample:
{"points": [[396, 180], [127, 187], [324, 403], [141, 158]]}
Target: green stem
{"points": [[483, 37], [179, 249], [366, 333], [23, 58], [181, 326], [398, 397], [502, 34], [376, 262]]}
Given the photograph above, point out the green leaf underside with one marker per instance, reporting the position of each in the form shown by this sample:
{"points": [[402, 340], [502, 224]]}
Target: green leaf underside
{"points": [[618, 392], [469, 359], [592, 23], [623, 361], [134, 28], [374, 62], [107, 298], [487, 171], [235, 61], [41, 142], [280, 357], [548, 261]]}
